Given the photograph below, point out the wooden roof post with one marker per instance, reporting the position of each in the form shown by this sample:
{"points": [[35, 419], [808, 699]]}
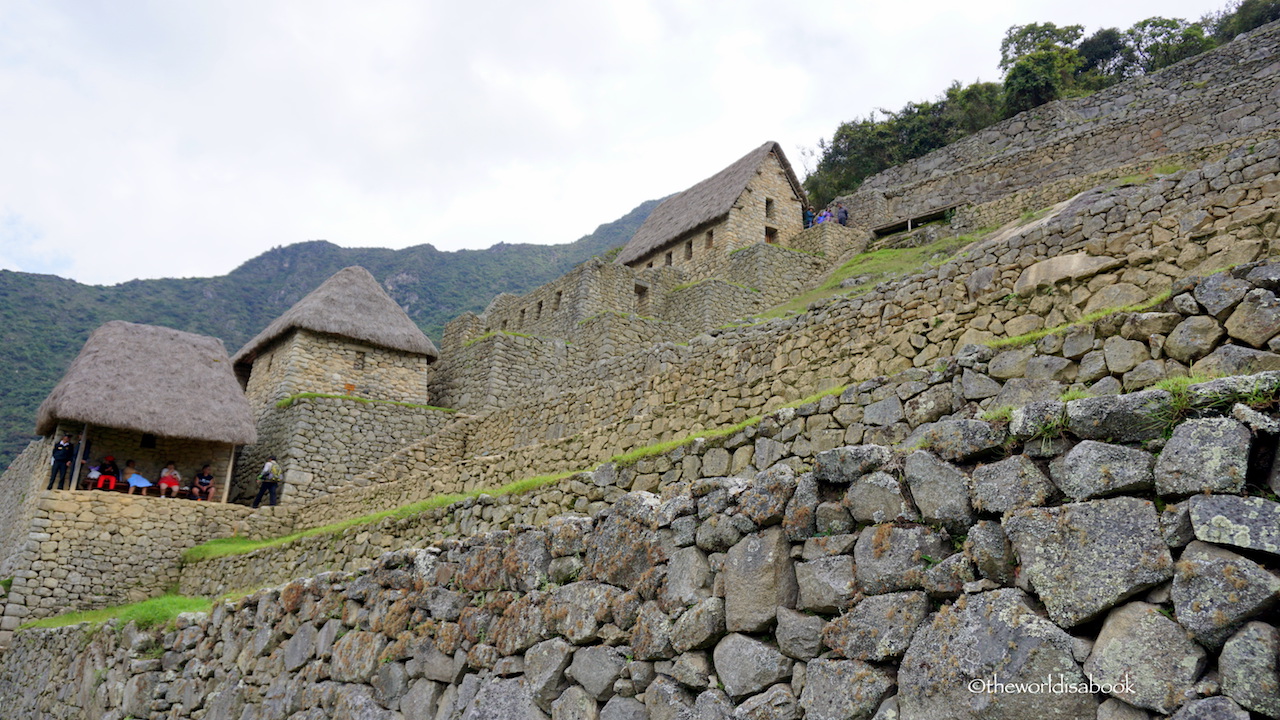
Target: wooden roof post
{"points": [[231, 468]]}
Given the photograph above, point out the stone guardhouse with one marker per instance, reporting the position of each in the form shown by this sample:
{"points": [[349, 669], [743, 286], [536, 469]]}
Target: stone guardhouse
{"points": [[337, 382], [150, 394], [757, 199]]}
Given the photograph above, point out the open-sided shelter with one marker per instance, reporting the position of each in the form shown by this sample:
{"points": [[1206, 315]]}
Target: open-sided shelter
{"points": [[151, 394]]}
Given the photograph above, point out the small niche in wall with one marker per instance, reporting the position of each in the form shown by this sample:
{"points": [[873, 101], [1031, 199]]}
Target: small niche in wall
{"points": [[559, 298], [688, 250], [768, 207], [669, 259], [148, 442], [711, 237], [538, 315], [359, 362], [521, 319], [771, 235], [642, 299], [649, 266]]}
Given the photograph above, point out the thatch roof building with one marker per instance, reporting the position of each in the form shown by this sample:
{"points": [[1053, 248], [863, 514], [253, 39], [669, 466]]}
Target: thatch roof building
{"points": [[705, 204], [152, 380], [350, 304]]}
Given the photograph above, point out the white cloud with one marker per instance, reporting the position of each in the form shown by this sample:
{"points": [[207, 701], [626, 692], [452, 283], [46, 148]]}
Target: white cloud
{"points": [[174, 139]]}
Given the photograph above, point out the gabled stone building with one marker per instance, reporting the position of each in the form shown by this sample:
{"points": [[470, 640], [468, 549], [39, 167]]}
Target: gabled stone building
{"points": [[757, 199]]}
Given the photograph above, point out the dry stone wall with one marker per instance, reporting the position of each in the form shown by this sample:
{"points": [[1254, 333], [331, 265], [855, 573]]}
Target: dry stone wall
{"points": [[858, 581], [1203, 101], [305, 361], [22, 480]]}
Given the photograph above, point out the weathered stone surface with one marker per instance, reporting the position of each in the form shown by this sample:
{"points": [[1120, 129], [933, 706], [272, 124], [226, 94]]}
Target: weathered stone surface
{"points": [[843, 465], [1193, 338], [989, 550], [579, 609], [502, 700], [713, 704], [665, 699], [421, 700], [977, 386], [940, 491], [1236, 360], [689, 579], [1252, 522], [929, 405], [621, 551], [595, 669], [948, 577], [1215, 591], [1250, 667], [1209, 454], [574, 704], [767, 452], [1009, 484], [355, 656], [962, 439], [1124, 355], [747, 666], [826, 584], [522, 625], [1018, 392], [1147, 657], [1219, 293], [878, 497], [832, 519], [1094, 469], [842, 689], [1256, 319], [1074, 266], [800, 520], [765, 500], [1141, 326], [799, 635], [699, 626], [889, 558], [544, 666], [1213, 708], [879, 628], [1118, 295], [1010, 363], [527, 559], [300, 648], [979, 637], [759, 577], [1118, 418], [651, 636], [1037, 418], [1083, 558], [624, 708], [776, 703], [885, 412]]}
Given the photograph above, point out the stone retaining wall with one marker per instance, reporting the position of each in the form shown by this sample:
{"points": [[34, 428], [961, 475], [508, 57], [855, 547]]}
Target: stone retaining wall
{"points": [[27, 475], [856, 581]]}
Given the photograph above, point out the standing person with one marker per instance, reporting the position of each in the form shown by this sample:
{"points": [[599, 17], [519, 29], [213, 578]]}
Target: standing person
{"points": [[64, 453], [808, 216], [842, 215], [269, 481], [202, 486]]}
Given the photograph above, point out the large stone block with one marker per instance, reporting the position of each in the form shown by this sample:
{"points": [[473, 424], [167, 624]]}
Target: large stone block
{"points": [[1204, 455], [759, 577], [1147, 657]]}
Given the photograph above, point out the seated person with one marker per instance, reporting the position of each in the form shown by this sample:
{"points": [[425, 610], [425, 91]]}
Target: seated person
{"points": [[170, 479], [202, 487], [108, 473], [134, 478]]}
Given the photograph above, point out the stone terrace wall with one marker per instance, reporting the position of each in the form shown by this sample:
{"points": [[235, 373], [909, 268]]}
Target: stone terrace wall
{"points": [[853, 582], [27, 475], [321, 443], [1229, 93], [86, 550]]}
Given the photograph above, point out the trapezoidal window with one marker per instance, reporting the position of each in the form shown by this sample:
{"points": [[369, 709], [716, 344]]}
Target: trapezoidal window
{"points": [[771, 235], [642, 299], [148, 442], [538, 315], [768, 207], [669, 258], [711, 237], [688, 250], [521, 319], [559, 298]]}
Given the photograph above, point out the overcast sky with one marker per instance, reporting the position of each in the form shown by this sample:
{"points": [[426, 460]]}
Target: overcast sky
{"points": [[176, 139]]}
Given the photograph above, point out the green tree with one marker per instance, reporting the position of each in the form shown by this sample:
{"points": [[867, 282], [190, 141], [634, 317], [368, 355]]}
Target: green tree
{"points": [[1022, 40], [1039, 77], [1244, 17], [1105, 54], [1159, 42]]}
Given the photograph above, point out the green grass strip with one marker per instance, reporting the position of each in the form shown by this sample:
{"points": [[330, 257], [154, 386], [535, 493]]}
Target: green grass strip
{"points": [[286, 402], [494, 333], [1096, 315], [148, 613]]}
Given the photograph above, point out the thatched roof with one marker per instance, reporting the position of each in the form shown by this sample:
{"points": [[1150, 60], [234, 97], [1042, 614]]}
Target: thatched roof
{"points": [[703, 204], [153, 380], [350, 304]]}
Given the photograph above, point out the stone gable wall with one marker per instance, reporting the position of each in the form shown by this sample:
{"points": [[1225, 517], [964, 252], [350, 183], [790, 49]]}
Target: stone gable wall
{"points": [[27, 475]]}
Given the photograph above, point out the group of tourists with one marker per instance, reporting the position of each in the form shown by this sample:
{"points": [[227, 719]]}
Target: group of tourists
{"points": [[841, 215], [107, 473]]}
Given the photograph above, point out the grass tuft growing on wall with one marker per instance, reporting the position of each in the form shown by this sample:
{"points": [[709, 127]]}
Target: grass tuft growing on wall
{"points": [[147, 614], [1096, 315]]}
